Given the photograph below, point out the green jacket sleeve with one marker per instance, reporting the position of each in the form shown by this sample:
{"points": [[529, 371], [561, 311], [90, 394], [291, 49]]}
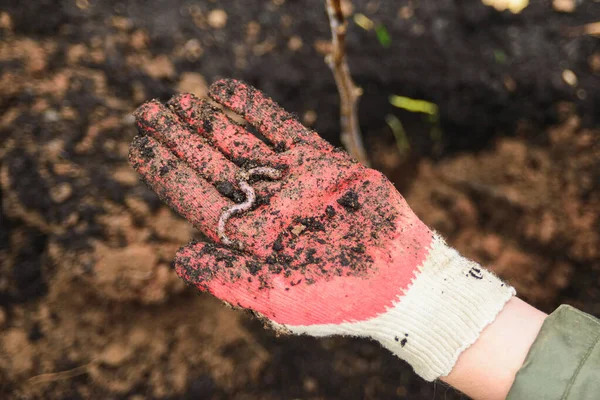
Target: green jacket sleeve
{"points": [[564, 361]]}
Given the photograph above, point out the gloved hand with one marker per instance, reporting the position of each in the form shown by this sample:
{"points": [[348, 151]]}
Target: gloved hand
{"points": [[306, 237]]}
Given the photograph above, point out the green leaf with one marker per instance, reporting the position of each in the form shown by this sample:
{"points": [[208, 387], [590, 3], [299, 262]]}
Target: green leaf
{"points": [[500, 56], [395, 125], [414, 105], [383, 35], [363, 21]]}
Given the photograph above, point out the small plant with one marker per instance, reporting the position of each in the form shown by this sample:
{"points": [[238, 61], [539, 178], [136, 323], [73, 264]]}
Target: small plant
{"points": [[383, 36], [349, 93], [397, 128], [431, 112], [500, 56], [366, 23]]}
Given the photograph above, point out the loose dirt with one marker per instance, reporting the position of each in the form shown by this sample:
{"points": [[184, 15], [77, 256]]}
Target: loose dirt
{"points": [[86, 284]]}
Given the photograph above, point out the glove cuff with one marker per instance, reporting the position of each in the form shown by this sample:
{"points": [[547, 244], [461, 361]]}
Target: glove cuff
{"points": [[443, 312]]}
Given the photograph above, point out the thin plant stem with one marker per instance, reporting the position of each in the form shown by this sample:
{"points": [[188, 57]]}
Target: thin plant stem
{"points": [[349, 93]]}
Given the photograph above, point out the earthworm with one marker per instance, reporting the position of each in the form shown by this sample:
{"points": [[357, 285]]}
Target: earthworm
{"points": [[240, 208]]}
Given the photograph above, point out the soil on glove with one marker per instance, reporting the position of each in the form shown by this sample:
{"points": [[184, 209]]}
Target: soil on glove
{"points": [[89, 304]]}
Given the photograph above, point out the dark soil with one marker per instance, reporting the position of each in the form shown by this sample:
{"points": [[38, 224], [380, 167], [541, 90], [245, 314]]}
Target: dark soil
{"points": [[86, 283]]}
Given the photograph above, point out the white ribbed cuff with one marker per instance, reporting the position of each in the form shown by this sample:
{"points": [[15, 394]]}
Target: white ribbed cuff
{"points": [[443, 312], [450, 301]]}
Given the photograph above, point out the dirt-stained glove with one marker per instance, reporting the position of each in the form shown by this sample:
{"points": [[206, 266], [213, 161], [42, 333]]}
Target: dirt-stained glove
{"points": [[306, 237]]}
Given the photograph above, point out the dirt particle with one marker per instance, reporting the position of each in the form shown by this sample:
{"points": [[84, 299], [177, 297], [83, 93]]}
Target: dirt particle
{"points": [[6, 21], [349, 200], [312, 224], [116, 354], [569, 77], [228, 190], [207, 124], [275, 269], [298, 229], [61, 192], [476, 273], [359, 249], [310, 256], [295, 43], [278, 245], [143, 144], [280, 147], [166, 168], [253, 267], [565, 6], [330, 211], [343, 260], [217, 19]]}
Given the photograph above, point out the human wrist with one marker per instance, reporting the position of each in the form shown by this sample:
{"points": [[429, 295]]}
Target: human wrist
{"points": [[487, 369]]}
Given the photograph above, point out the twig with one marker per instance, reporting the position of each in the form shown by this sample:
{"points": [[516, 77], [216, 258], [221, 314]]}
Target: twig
{"points": [[349, 92], [246, 205], [57, 376]]}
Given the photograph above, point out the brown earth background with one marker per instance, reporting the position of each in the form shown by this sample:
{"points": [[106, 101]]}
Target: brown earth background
{"points": [[89, 304]]}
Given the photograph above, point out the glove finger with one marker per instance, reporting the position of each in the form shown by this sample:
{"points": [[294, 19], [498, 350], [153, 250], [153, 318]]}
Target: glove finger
{"points": [[230, 138], [158, 121], [277, 125], [178, 185]]}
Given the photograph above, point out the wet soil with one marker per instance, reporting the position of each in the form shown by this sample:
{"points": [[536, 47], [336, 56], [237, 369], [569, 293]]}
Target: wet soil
{"points": [[89, 304]]}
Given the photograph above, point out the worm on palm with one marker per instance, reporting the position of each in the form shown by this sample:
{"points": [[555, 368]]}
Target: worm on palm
{"points": [[240, 208]]}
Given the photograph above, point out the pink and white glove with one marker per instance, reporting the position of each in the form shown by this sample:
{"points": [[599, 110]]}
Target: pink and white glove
{"points": [[304, 236]]}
